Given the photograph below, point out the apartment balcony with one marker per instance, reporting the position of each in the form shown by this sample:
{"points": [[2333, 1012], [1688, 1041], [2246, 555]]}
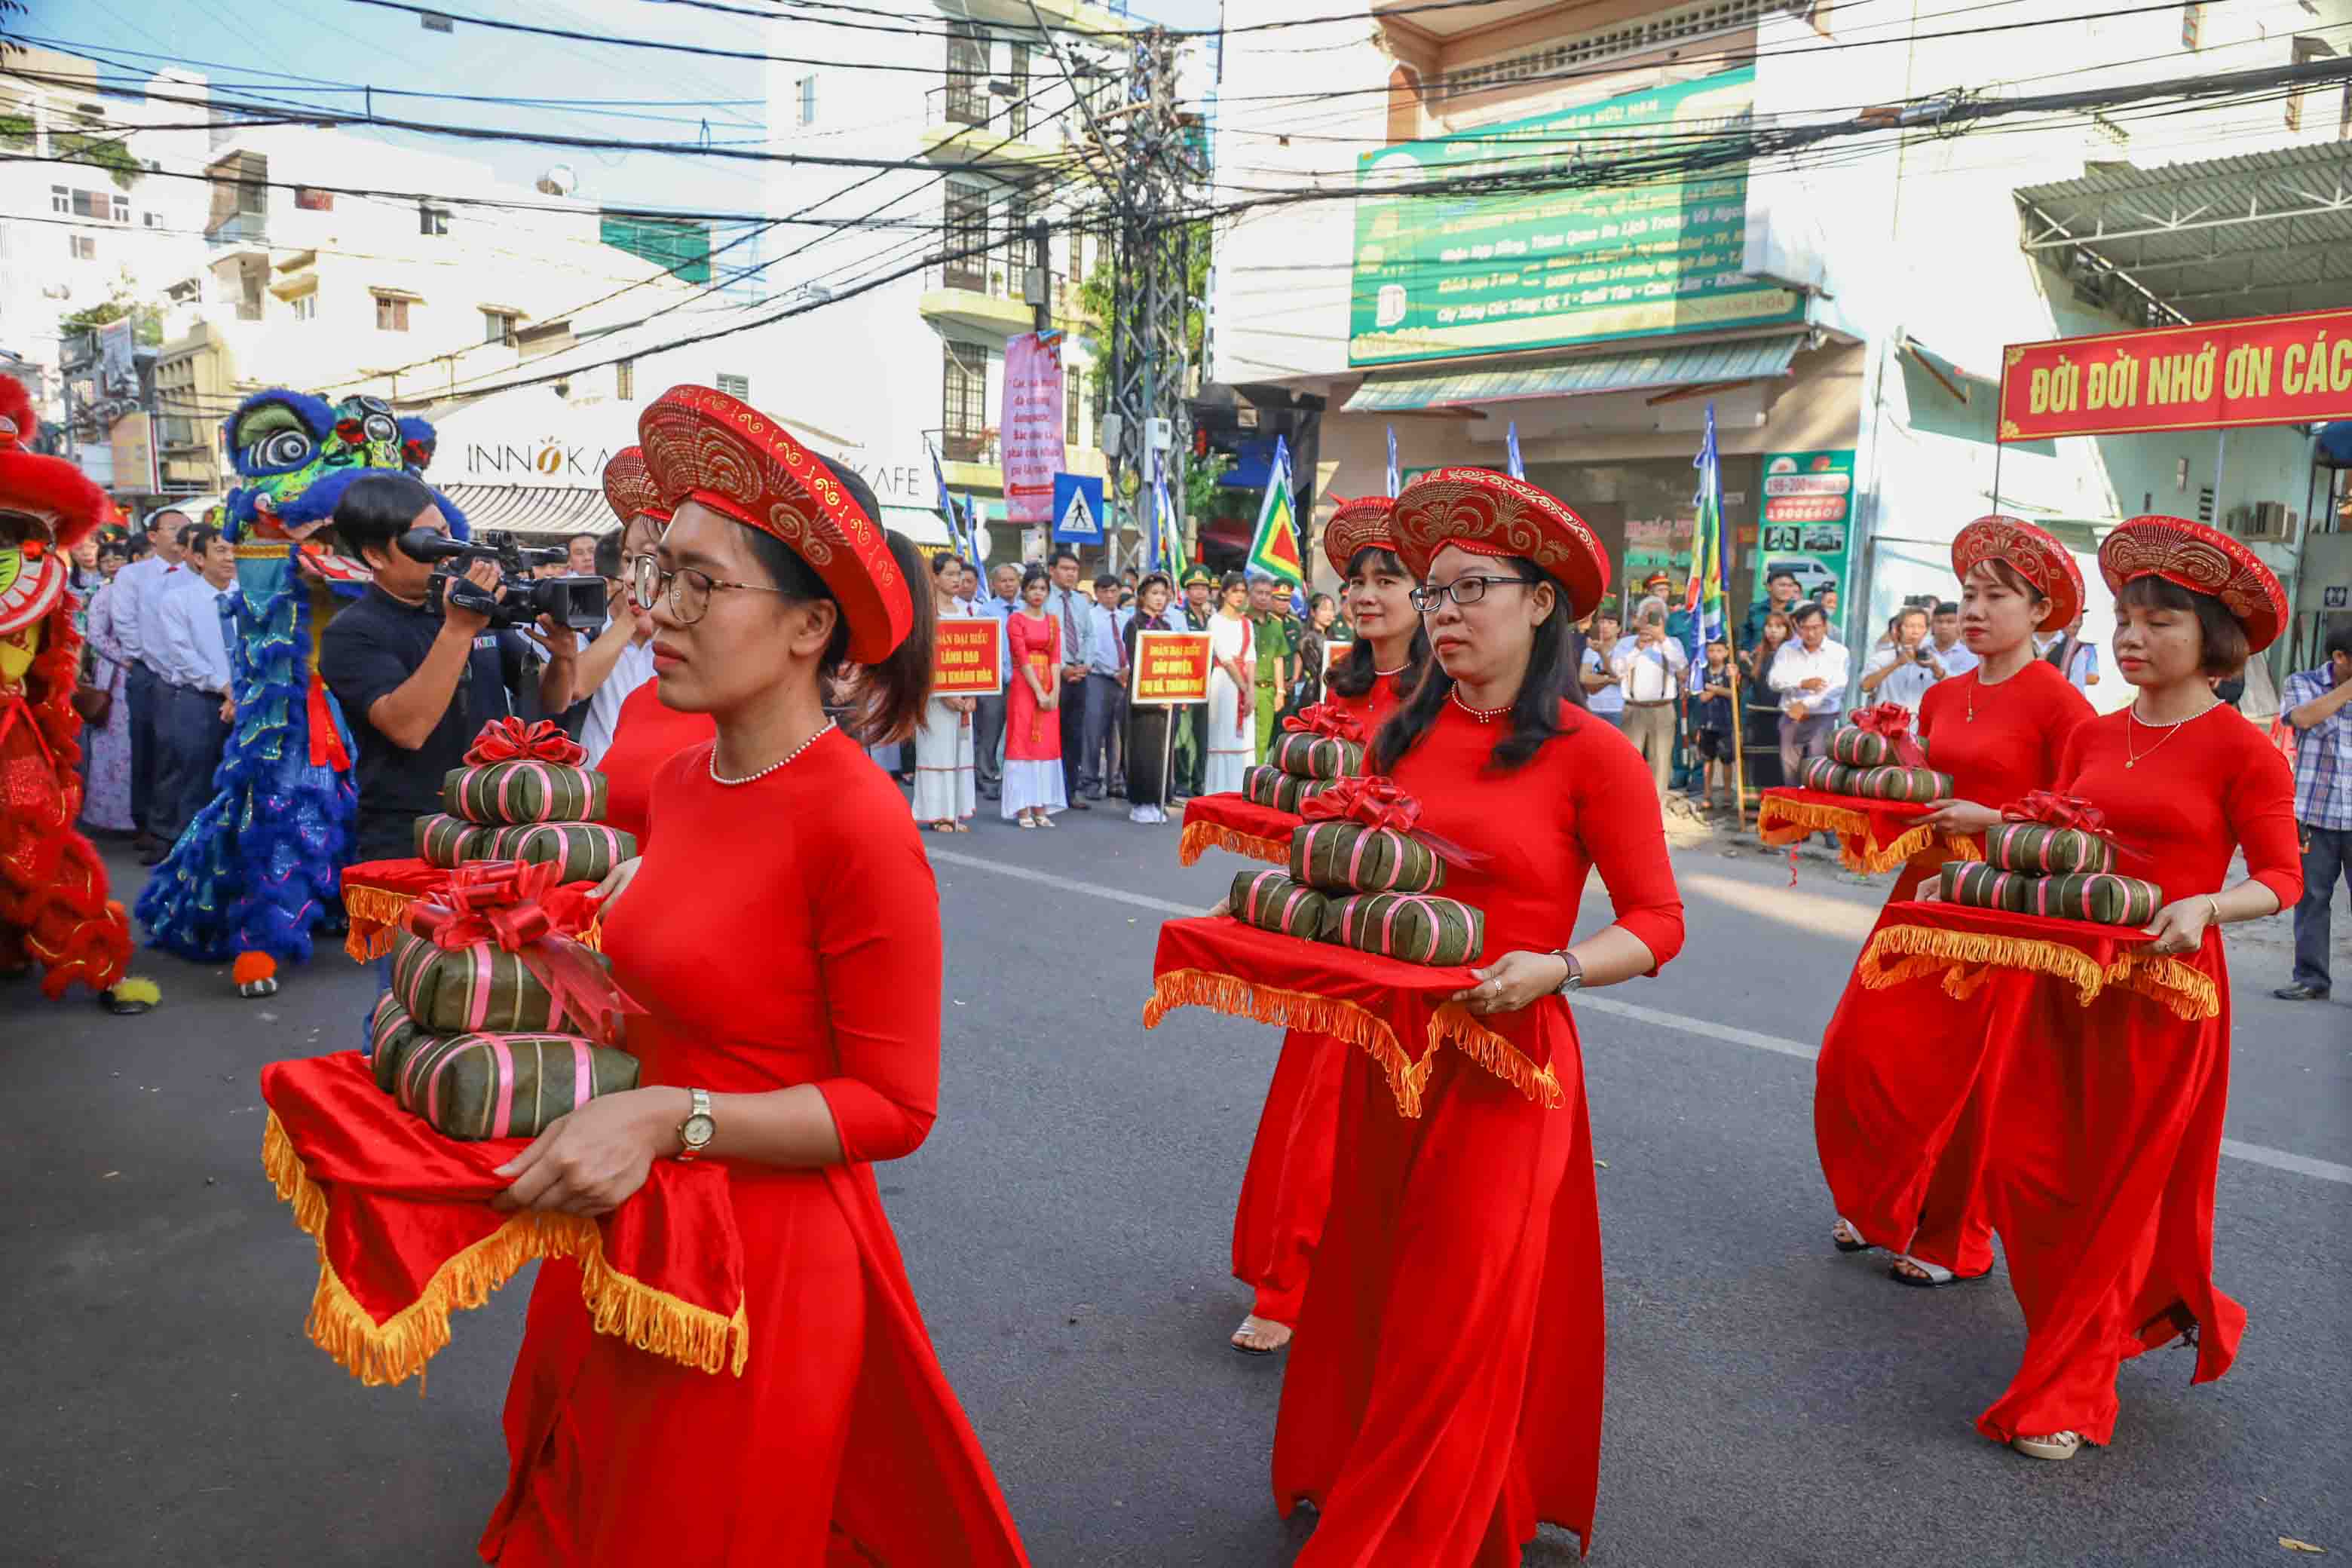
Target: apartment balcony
{"points": [[983, 294], [240, 232], [975, 119]]}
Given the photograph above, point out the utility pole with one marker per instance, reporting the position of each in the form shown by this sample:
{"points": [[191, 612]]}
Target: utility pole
{"points": [[1157, 179]]}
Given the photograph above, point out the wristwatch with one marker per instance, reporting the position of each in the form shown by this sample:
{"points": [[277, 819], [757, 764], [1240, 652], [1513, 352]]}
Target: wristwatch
{"points": [[695, 1133], [1575, 981]]}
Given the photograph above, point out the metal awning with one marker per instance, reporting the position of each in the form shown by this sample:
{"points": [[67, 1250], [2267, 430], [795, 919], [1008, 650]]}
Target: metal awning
{"points": [[532, 509], [1650, 370], [2261, 234]]}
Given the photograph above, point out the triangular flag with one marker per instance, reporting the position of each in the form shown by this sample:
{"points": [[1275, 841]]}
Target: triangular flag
{"points": [[1274, 549]]}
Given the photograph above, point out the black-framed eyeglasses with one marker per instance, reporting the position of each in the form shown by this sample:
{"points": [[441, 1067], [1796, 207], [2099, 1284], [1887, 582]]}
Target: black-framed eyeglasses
{"points": [[689, 589], [1465, 592]]}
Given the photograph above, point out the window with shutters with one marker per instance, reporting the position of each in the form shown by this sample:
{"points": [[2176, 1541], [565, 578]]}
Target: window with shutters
{"points": [[83, 247], [391, 315], [431, 219], [624, 381], [963, 403], [1073, 385], [499, 327], [736, 386], [967, 230], [967, 73]]}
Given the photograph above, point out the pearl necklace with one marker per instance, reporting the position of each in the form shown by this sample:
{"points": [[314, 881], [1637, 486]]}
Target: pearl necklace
{"points": [[784, 761], [1484, 715], [1400, 669], [2132, 759]]}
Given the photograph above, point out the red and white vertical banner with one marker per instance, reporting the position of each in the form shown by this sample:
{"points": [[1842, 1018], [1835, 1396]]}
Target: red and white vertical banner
{"points": [[1031, 429]]}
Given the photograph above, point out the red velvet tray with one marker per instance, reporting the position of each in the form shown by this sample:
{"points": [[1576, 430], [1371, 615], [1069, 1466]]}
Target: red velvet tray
{"points": [[1237, 822], [1873, 835], [1967, 946]]}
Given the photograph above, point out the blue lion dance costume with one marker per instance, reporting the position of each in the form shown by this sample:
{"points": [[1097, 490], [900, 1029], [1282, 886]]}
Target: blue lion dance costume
{"points": [[259, 870]]}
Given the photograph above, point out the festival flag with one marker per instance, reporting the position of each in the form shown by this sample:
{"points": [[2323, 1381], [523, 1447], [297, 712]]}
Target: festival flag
{"points": [[1274, 549], [1168, 529], [1511, 464], [957, 536], [1705, 596], [1394, 485]]}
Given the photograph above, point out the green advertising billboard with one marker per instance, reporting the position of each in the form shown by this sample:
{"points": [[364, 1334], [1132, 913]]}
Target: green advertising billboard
{"points": [[1807, 520], [1437, 276]]}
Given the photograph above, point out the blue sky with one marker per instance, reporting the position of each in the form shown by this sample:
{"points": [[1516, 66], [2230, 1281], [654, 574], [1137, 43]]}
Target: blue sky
{"points": [[262, 47]]}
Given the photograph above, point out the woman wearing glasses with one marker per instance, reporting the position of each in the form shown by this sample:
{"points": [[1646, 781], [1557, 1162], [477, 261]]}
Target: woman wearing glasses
{"points": [[783, 934], [1443, 1394], [648, 731]]}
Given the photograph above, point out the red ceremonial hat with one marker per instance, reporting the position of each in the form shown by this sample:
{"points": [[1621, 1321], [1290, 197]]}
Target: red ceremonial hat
{"points": [[2203, 561], [50, 489], [1490, 513], [2034, 554], [704, 445], [1360, 524], [629, 488]]}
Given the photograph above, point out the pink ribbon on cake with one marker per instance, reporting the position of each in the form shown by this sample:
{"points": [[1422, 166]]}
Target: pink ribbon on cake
{"points": [[509, 740], [506, 904], [1377, 802], [1328, 720], [1891, 722]]}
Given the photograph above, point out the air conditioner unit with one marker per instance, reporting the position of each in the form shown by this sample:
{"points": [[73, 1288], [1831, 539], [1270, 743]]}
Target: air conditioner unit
{"points": [[2269, 521]]}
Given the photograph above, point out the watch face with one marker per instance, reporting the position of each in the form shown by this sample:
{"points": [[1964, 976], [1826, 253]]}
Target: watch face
{"points": [[697, 1130]]}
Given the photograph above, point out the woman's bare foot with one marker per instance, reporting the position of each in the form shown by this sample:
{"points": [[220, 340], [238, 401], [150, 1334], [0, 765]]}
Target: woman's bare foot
{"points": [[1260, 1336]]}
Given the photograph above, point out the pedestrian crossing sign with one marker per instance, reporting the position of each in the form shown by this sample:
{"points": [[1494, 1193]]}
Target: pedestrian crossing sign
{"points": [[1077, 510]]}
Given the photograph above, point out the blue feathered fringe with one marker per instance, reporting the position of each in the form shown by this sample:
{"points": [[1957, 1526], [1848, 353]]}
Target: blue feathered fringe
{"points": [[261, 866]]}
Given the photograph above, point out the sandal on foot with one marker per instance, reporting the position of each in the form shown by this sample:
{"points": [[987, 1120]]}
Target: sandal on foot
{"points": [[2052, 1445], [1025, 821], [1254, 1325], [1931, 1276], [1845, 1237]]}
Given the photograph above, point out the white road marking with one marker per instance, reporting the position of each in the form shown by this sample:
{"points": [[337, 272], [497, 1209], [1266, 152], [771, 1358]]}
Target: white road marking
{"points": [[1706, 1028]]}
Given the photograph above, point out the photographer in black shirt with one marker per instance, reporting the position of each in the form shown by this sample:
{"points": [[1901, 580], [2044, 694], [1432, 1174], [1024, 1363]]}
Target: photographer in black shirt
{"points": [[416, 687]]}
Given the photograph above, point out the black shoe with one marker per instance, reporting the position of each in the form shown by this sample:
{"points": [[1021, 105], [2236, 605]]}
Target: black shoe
{"points": [[2300, 994], [1078, 802]]}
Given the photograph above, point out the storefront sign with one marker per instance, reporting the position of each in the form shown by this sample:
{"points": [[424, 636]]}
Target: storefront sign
{"points": [[964, 657], [2263, 370], [1032, 425], [1171, 666], [1566, 261], [1808, 517]]}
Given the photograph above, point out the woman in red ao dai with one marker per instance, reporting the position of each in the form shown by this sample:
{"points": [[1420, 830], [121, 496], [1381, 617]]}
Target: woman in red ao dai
{"points": [[1287, 1187], [1903, 1132]]}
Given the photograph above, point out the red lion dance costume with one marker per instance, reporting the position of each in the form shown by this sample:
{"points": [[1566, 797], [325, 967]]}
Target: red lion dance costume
{"points": [[53, 905]]}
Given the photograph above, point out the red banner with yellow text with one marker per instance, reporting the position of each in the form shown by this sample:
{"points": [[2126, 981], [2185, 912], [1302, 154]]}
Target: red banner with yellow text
{"points": [[1171, 666], [2262, 370], [963, 656]]}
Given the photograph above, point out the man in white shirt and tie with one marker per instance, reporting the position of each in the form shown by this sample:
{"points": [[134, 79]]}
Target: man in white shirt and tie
{"points": [[1810, 674], [1066, 605], [191, 648], [1098, 766], [134, 587], [1649, 671]]}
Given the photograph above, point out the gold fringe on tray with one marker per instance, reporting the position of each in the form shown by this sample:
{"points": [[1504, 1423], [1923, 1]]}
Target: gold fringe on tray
{"points": [[1449, 1025], [1294, 1010], [1453, 1025], [1926, 949], [2187, 990], [1200, 838], [1782, 821], [395, 1350]]}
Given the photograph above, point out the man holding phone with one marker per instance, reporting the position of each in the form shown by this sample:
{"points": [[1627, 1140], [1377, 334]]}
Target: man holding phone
{"points": [[1903, 669]]}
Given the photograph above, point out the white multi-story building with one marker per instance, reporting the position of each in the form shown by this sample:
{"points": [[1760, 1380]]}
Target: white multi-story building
{"points": [[1842, 310], [85, 218]]}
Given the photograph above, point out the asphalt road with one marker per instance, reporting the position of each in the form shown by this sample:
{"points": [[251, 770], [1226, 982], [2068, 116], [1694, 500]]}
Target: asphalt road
{"points": [[1769, 1402]]}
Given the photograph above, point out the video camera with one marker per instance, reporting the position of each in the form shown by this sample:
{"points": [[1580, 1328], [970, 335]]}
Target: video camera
{"points": [[575, 602]]}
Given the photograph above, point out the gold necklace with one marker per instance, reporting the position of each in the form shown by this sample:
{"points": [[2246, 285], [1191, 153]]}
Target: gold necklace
{"points": [[2131, 715]]}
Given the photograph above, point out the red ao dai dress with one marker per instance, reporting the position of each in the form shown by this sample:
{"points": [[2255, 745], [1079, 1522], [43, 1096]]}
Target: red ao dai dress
{"points": [[1906, 1073], [1287, 1186], [2107, 1121], [1444, 1394], [783, 932]]}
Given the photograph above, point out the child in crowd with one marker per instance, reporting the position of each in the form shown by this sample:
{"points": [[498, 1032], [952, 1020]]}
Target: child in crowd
{"points": [[1712, 718]]}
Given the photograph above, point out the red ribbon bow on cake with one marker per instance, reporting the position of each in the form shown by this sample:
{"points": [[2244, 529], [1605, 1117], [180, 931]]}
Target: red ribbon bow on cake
{"points": [[1328, 720], [1377, 802], [2055, 810], [511, 740], [520, 909], [2067, 812], [1892, 722]]}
